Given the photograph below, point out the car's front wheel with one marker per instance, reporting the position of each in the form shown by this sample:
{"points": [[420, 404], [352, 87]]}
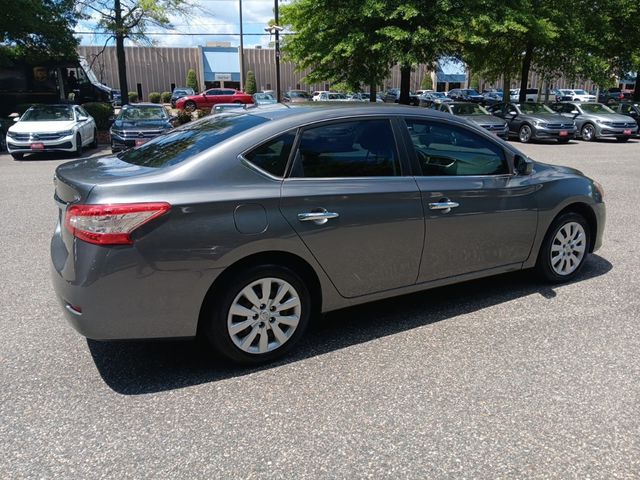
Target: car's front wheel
{"points": [[525, 133], [17, 156], [78, 150], [564, 248], [588, 132], [260, 315]]}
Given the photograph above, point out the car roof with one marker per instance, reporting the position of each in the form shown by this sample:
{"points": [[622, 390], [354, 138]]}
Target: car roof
{"points": [[143, 104]]}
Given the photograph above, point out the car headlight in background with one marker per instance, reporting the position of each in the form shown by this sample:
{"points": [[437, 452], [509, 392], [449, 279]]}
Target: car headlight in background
{"points": [[116, 132], [66, 133], [11, 134], [540, 124], [602, 122]]}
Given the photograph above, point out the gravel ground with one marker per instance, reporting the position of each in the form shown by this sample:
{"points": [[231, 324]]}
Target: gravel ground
{"points": [[497, 378]]}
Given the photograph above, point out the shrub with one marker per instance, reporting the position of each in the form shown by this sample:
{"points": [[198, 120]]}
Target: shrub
{"points": [[250, 85], [154, 97], [427, 82], [101, 113], [133, 97], [203, 112], [165, 97], [192, 80], [183, 117]]}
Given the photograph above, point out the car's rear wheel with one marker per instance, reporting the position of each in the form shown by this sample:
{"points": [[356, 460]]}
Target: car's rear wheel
{"points": [[622, 139], [564, 248], [588, 132], [259, 316], [78, 150], [190, 106], [17, 156], [94, 143], [525, 133], [237, 101]]}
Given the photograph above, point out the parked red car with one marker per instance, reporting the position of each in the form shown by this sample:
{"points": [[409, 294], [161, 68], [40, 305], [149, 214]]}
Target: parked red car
{"points": [[212, 97]]}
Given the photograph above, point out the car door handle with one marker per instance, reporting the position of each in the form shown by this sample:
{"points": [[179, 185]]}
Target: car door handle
{"points": [[319, 218], [445, 206]]}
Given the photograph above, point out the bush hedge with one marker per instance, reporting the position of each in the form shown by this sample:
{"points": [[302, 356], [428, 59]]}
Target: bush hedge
{"points": [[165, 97], [183, 117], [154, 97], [101, 113], [133, 97]]}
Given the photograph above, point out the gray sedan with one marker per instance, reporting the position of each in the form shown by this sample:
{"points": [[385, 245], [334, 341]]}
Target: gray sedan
{"points": [[535, 121], [596, 120], [243, 226], [477, 114]]}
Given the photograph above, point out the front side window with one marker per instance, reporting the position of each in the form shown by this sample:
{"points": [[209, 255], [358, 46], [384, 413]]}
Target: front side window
{"points": [[450, 150], [364, 148], [272, 156]]}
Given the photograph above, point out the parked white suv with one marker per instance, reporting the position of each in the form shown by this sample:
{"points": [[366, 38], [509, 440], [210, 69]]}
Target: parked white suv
{"points": [[531, 95], [579, 95]]}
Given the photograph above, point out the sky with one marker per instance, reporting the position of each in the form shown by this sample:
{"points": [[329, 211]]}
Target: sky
{"points": [[213, 17]]}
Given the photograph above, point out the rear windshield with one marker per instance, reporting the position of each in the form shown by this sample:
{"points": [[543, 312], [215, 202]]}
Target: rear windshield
{"points": [[187, 141]]}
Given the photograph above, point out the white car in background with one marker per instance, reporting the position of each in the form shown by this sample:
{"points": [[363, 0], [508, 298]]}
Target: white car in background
{"points": [[531, 95], [331, 97], [578, 95], [52, 128]]}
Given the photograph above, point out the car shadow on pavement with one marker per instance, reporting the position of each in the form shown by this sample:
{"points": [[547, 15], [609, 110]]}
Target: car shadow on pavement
{"points": [[141, 367]]}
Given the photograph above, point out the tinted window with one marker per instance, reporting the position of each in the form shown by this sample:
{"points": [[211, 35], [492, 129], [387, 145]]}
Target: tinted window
{"points": [[364, 148], [189, 140], [48, 113], [272, 156], [449, 150]]}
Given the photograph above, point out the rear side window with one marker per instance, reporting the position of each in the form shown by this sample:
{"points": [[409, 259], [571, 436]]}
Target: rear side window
{"points": [[364, 148], [449, 150], [187, 141], [272, 156]]}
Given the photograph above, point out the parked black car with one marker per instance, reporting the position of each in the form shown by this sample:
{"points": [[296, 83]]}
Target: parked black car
{"points": [[534, 121], [180, 92], [392, 95], [466, 95], [137, 124], [631, 109]]}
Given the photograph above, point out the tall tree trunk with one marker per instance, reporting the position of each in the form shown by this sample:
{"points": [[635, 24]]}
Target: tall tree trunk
{"points": [[506, 86], [636, 89], [405, 83], [524, 74], [372, 92], [122, 64]]}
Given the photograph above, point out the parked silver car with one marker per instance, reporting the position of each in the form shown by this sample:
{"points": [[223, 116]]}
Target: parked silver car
{"points": [[596, 120], [534, 121], [241, 226], [477, 114]]}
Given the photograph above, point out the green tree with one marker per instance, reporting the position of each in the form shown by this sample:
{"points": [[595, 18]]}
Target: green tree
{"points": [[192, 80], [361, 39], [131, 19], [427, 82], [38, 30], [250, 85]]}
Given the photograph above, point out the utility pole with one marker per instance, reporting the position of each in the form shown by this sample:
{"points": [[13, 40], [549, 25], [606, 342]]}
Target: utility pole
{"points": [[277, 29], [241, 51]]}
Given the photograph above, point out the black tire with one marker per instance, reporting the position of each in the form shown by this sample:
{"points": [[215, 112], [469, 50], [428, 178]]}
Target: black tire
{"points": [[215, 315], [237, 102], [17, 156], [190, 106], [544, 263], [78, 151], [94, 144], [622, 139]]}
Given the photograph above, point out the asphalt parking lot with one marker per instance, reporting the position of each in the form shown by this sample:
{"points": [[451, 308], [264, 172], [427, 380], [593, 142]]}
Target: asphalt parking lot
{"points": [[499, 378]]}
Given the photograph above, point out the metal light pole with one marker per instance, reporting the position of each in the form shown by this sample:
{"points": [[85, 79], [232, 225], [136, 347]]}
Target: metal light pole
{"points": [[276, 29], [241, 51]]}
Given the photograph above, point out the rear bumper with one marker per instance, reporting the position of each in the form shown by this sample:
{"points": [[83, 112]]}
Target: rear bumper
{"points": [[114, 293]]}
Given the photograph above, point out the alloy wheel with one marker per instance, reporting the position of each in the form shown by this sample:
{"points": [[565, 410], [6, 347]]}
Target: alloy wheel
{"points": [[525, 134], [588, 133], [264, 315], [568, 248]]}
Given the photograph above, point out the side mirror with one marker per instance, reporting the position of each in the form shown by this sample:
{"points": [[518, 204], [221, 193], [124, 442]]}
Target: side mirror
{"points": [[523, 165], [15, 119], [575, 112], [83, 119], [204, 94], [633, 113], [513, 113]]}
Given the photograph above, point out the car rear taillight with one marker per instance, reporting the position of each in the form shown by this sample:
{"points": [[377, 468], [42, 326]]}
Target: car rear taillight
{"points": [[111, 224]]}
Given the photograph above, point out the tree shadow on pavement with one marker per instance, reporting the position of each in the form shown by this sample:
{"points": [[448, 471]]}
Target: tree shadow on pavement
{"points": [[140, 367]]}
